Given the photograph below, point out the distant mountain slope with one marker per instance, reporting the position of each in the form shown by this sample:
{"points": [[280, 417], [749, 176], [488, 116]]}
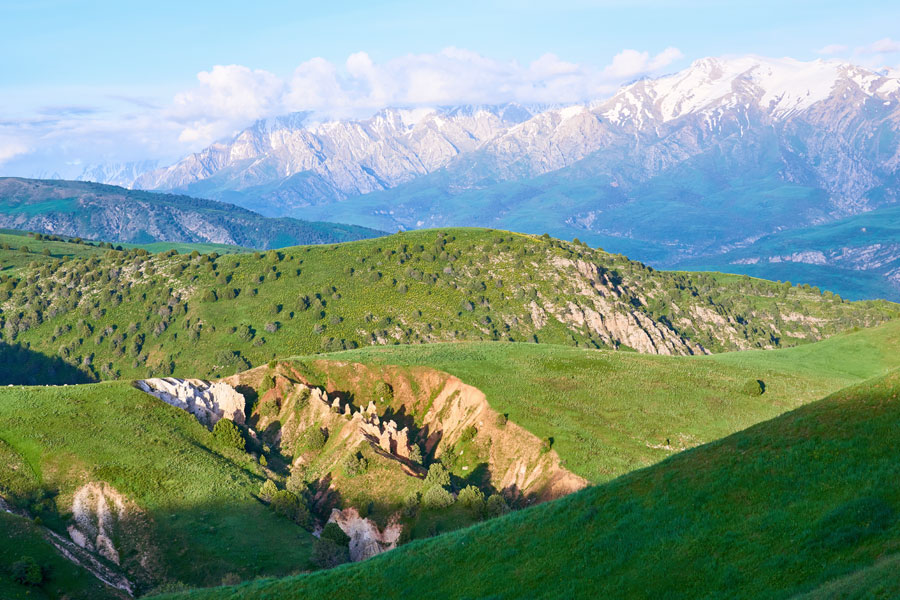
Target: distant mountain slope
{"points": [[858, 256], [128, 314], [96, 211], [780, 509]]}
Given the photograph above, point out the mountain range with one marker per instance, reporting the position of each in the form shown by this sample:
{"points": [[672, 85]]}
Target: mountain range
{"points": [[686, 166]]}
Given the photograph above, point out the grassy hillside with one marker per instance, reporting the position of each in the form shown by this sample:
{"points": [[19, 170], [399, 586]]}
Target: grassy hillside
{"points": [[131, 314], [195, 518], [96, 211], [780, 509], [611, 412], [59, 579], [22, 248]]}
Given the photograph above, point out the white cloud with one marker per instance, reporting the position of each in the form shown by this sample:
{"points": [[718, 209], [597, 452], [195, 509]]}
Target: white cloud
{"points": [[227, 98], [882, 46], [10, 148], [831, 49], [631, 63]]}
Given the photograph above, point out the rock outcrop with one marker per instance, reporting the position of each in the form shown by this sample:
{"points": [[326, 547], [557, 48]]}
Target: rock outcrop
{"points": [[366, 539], [207, 401], [106, 523]]}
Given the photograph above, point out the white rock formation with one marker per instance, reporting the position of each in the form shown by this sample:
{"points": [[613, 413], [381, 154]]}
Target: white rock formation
{"points": [[97, 509], [207, 401], [366, 540]]}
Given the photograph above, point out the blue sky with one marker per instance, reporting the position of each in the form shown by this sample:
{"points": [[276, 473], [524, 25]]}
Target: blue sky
{"points": [[83, 81]]}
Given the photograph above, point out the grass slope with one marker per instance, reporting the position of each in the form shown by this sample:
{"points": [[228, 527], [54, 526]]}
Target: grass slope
{"points": [[61, 579], [779, 509], [206, 523], [611, 412], [128, 315], [22, 248]]}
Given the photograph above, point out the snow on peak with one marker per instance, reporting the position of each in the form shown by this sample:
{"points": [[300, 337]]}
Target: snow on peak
{"points": [[778, 86], [572, 111]]}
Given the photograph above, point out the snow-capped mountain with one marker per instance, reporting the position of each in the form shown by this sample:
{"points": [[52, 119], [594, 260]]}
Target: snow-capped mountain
{"points": [[695, 163], [311, 162], [823, 111]]}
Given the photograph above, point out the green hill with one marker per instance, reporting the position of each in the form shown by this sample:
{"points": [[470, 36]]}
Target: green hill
{"points": [[132, 314], [783, 508], [105, 212], [191, 514], [22, 248]]}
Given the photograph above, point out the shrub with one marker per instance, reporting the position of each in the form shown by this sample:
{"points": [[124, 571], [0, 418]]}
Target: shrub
{"points": [[496, 506], [210, 296], [27, 571], [290, 505], [437, 497], [333, 532], [229, 434], [268, 490], [472, 498], [355, 464], [754, 387], [302, 398], [384, 391], [438, 475], [245, 332], [268, 382], [415, 454], [312, 439], [501, 420], [327, 554]]}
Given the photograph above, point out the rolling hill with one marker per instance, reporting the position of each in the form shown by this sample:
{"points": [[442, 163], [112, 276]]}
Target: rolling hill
{"points": [[728, 519], [133, 314]]}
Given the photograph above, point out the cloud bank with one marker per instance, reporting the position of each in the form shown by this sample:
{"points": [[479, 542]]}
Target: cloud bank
{"points": [[227, 98]]}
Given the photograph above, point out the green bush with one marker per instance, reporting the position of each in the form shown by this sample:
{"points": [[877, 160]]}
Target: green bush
{"points": [[268, 490], [415, 453], [27, 571], [436, 497], [333, 532], [268, 382], [438, 475], [472, 498], [327, 554], [754, 387], [496, 506], [229, 434], [355, 464], [290, 505], [312, 439], [384, 391]]}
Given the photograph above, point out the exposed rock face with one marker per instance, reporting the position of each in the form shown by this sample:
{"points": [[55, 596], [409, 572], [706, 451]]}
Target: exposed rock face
{"points": [[106, 522], [366, 539], [97, 509], [207, 401]]}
